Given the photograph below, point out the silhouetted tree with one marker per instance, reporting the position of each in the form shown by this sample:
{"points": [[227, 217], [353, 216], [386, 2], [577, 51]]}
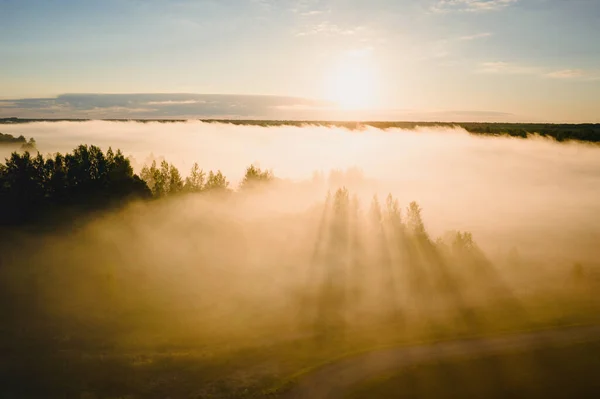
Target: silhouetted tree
{"points": [[29, 145], [10, 139], [31, 186], [255, 177]]}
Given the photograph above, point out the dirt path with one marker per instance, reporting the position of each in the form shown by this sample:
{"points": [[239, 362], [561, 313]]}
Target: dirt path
{"points": [[334, 380]]}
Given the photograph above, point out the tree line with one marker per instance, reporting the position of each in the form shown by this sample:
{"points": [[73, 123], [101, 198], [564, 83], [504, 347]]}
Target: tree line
{"points": [[25, 145], [34, 186]]}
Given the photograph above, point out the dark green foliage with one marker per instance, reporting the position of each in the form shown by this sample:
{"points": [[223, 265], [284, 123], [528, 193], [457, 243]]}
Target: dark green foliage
{"points": [[34, 186]]}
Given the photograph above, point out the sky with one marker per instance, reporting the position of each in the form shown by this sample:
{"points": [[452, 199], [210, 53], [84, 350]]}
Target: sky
{"points": [[488, 60]]}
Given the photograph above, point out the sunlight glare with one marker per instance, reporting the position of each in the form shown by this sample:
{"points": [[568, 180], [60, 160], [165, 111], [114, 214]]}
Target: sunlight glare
{"points": [[352, 84]]}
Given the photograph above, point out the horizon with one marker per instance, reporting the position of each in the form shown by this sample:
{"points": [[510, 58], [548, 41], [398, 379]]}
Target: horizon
{"points": [[243, 121]]}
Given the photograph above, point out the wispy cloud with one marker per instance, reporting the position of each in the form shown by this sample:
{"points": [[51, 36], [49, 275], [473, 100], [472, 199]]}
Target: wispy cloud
{"points": [[209, 106], [328, 28], [475, 36], [160, 105], [508, 68], [566, 74], [311, 13], [171, 102], [442, 6]]}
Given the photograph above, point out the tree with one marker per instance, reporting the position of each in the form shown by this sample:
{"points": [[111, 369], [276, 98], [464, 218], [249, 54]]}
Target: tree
{"points": [[216, 181], [414, 220], [151, 175], [175, 180], [375, 211], [29, 145], [162, 181], [194, 183], [341, 201], [462, 243], [393, 212], [255, 177], [57, 185]]}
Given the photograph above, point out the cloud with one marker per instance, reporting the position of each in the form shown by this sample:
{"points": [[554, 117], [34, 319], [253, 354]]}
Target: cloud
{"points": [[168, 102], [224, 106], [506, 68], [443, 6], [475, 36], [311, 13], [328, 28], [573, 74], [446, 47], [158, 105]]}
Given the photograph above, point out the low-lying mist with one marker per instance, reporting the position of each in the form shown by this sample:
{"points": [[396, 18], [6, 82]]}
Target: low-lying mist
{"points": [[300, 252], [514, 189]]}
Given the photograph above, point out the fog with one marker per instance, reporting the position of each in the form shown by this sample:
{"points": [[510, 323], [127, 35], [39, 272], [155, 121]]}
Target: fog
{"points": [[263, 258], [504, 190]]}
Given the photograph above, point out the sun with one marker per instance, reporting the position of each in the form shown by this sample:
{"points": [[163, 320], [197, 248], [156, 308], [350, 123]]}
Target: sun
{"points": [[351, 84]]}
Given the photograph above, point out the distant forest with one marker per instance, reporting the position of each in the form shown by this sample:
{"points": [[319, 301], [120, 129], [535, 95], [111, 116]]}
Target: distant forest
{"points": [[589, 132], [10, 140]]}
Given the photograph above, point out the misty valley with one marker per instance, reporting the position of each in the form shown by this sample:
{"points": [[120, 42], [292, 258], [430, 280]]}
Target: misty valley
{"points": [[238, 260]]}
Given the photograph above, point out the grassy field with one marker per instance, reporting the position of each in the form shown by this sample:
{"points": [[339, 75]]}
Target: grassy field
{"points": [[551, 372], [229, 369]]}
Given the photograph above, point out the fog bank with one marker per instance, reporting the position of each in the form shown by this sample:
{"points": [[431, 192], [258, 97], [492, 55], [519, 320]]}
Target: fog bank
{"points": [[505, 190]]}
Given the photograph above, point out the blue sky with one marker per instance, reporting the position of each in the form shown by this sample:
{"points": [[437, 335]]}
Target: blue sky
{"points": [[384, 59]]}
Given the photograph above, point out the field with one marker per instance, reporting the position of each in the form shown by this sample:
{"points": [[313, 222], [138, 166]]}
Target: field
{"points": [[554, 372]]}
